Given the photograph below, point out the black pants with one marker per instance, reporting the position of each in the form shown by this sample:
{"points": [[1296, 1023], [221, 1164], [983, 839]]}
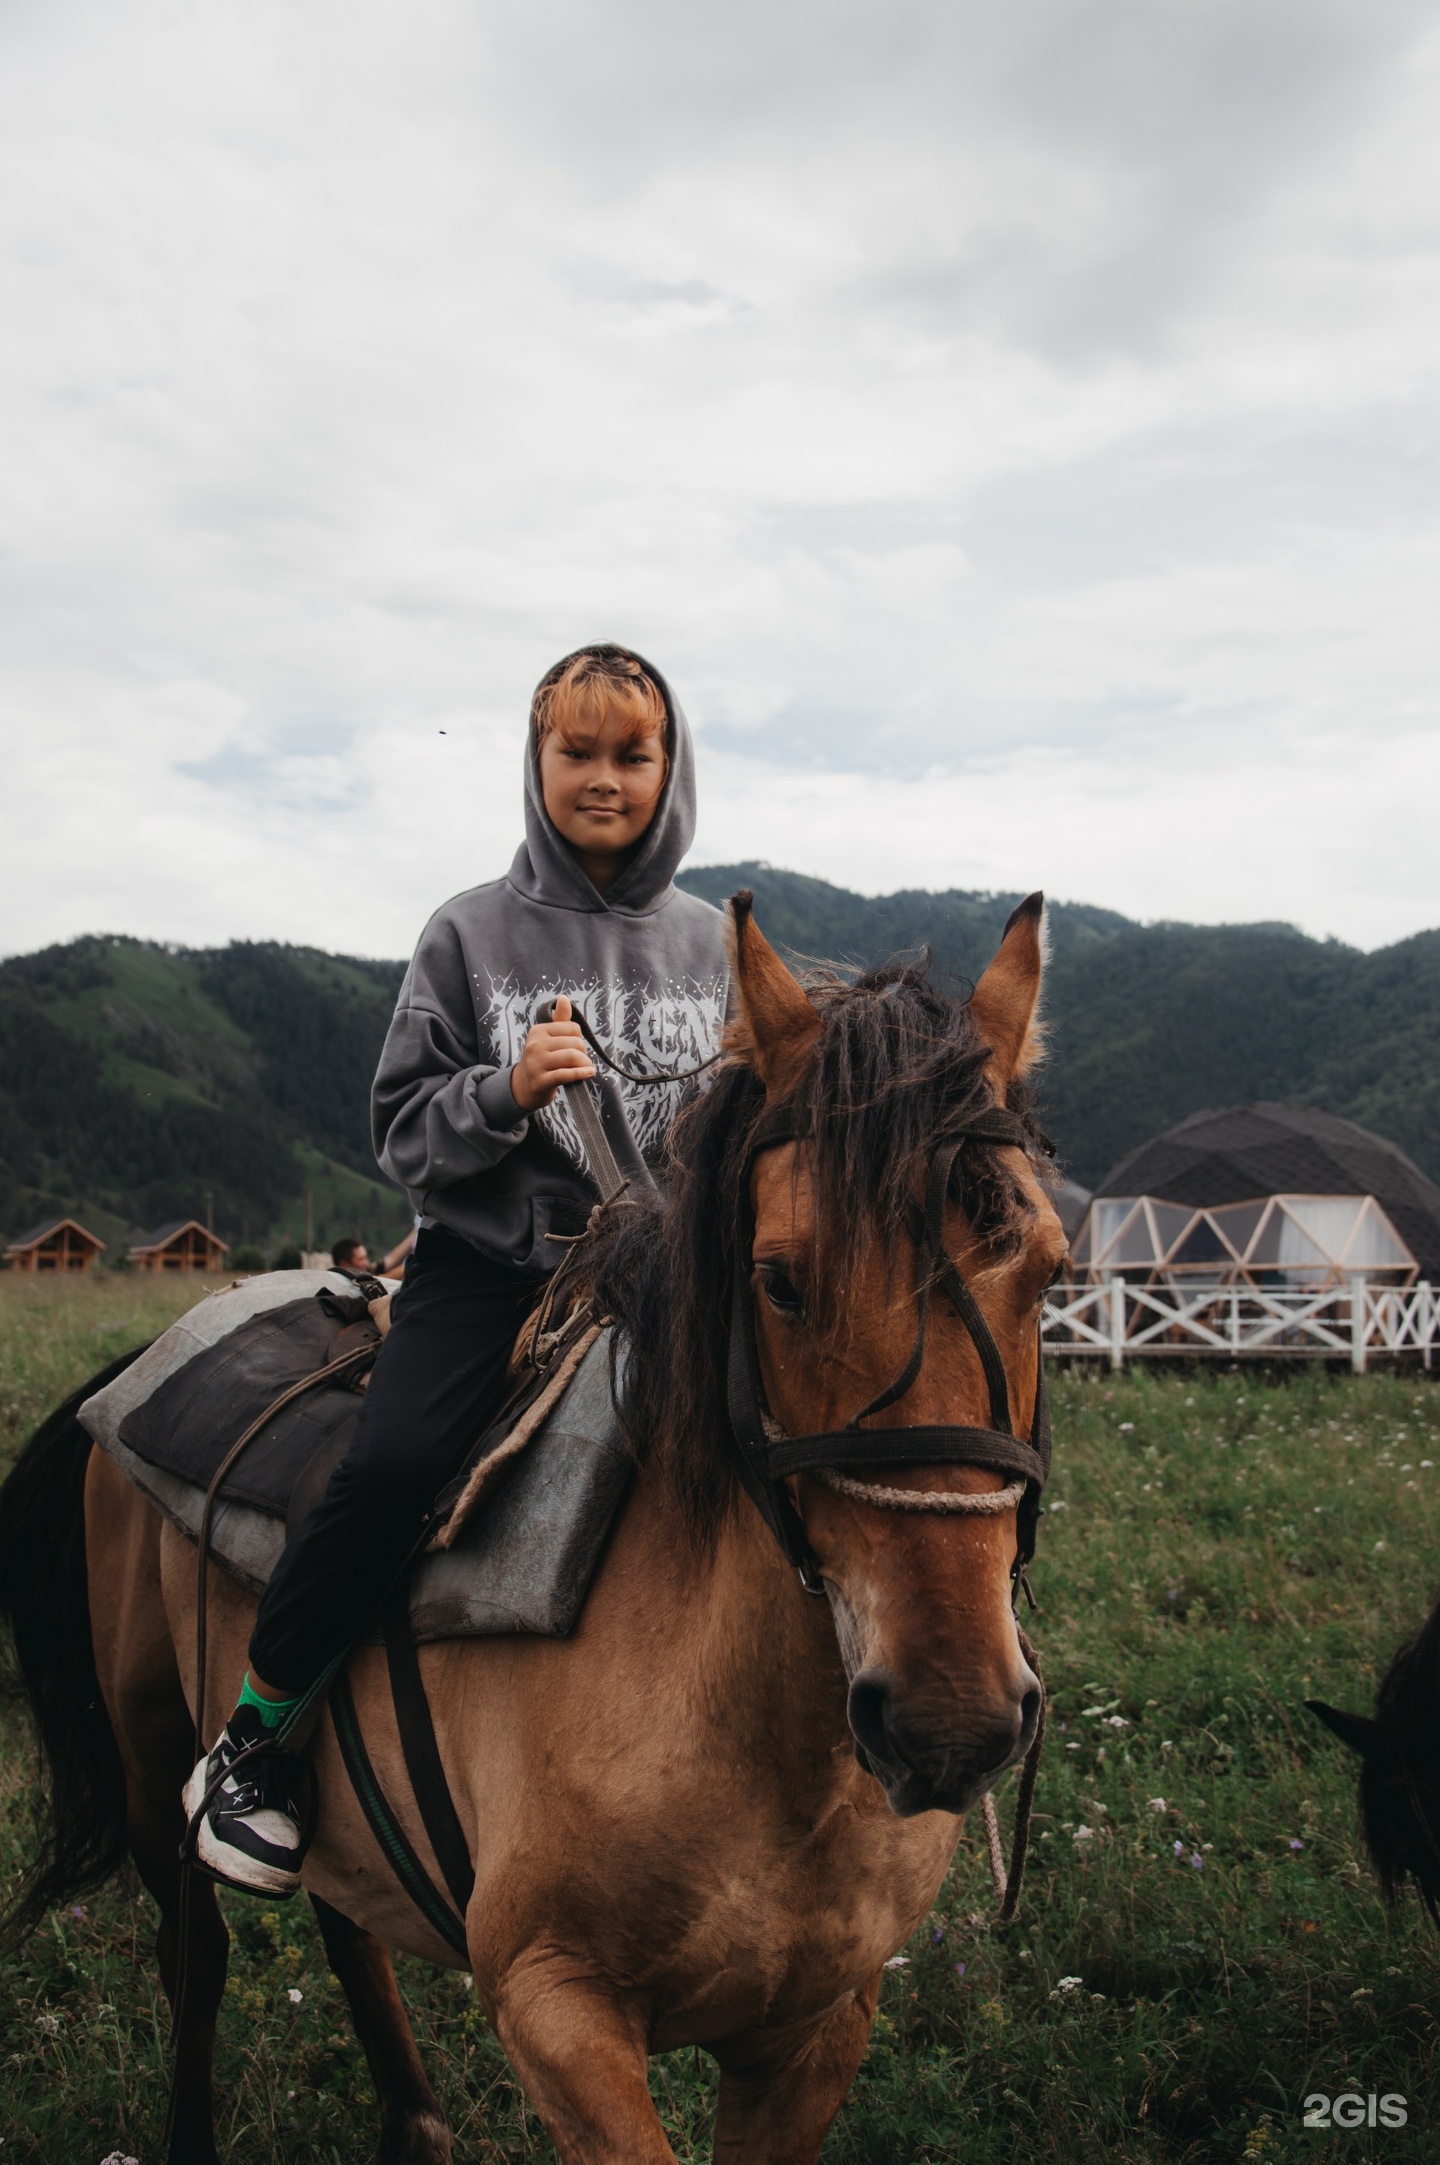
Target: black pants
{"points": [[438, 1380]]}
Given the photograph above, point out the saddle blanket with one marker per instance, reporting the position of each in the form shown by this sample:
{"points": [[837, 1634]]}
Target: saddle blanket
{"points": [[522, 1563]]}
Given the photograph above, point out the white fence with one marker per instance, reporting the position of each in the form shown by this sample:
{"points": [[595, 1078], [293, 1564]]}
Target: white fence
{"points": [[1357, 1321]]}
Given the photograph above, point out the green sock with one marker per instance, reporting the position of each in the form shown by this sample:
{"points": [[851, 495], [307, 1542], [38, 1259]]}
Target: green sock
{"points": [[271, 1711]]}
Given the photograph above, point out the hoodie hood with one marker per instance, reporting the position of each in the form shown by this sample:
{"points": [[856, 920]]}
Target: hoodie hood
{"points": [[545, 868]]}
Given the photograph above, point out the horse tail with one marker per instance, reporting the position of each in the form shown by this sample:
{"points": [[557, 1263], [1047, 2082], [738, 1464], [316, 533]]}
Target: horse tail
{"points": [[44, 1594]]}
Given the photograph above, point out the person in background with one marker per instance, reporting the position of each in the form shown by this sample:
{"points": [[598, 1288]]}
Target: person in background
{"points": [[351, 1256], [394, 1263]]}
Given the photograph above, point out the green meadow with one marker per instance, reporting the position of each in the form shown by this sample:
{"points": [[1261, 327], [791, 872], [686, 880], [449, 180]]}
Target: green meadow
{"points": [[1200, 1947]]}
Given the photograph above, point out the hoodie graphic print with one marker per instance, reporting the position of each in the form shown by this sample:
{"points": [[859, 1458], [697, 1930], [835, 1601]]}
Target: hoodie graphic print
{"points": [[655, 1030], [646, 964]]}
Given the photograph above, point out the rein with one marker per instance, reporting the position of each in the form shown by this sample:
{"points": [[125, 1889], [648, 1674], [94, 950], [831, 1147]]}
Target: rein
{"points": [[349, 1364], [606, 1171], [546, 1013]]}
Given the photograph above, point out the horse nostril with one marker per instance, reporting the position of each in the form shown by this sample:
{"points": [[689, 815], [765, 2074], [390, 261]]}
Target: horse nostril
{"points": [[1029, 1716], [869, 1702]]}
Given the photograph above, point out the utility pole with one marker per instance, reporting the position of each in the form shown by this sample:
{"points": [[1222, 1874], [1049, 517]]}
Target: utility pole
{"points": [[209, 1210], [309, 1220]]}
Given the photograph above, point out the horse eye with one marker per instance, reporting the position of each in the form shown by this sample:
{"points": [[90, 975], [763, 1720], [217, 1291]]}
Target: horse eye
{"points": [[779, 1291]]}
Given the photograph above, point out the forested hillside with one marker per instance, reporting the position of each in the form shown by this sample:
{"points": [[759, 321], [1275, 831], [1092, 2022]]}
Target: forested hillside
{"points": [[135, 1079], [1150, 1022]]}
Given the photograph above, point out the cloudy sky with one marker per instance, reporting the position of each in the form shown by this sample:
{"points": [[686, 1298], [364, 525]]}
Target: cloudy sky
{"points": [[1015, 430]]}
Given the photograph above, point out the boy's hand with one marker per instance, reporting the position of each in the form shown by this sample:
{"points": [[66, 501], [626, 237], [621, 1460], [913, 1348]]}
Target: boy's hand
{"points": [[553, 1053]]}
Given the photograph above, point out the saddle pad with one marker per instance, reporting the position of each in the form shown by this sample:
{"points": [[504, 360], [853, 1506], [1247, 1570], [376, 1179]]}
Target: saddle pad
{"points": [[188, 1424], [202, 1327], [522, 1564]]}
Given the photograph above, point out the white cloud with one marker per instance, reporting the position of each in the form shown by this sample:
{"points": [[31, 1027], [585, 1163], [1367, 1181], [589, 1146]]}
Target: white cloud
{"points": [[1013, 430]]}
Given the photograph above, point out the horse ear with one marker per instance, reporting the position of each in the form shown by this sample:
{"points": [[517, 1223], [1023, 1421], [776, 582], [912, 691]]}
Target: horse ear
{"points": [[1006, 1001], [776, 1025], [1356, 1730]]}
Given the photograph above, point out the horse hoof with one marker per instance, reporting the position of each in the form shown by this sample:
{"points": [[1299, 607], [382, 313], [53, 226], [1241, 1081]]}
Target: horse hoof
{"points": [[423, 2140]]}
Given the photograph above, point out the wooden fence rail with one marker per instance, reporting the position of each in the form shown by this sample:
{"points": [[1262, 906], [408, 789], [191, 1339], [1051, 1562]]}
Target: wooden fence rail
{"points": [[1356, 1321]]}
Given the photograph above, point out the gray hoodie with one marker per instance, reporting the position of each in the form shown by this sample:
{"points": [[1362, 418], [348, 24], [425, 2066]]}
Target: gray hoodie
{"points": [[646, 965]]}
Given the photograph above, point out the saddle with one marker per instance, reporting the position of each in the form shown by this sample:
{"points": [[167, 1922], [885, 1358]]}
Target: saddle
{"points": [[550, 1470]]}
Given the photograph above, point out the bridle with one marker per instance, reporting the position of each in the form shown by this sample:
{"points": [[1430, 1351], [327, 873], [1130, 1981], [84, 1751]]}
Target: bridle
{"points": [[765, 1456]]}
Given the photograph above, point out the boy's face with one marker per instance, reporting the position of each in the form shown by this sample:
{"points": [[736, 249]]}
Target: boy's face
{"points": [[602, 792]]}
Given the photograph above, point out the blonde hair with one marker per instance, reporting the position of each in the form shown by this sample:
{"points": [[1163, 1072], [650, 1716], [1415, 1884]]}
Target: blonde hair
{"points": [[575, 699]]}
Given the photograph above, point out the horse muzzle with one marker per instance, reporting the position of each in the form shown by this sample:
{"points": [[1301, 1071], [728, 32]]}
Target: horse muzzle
{"points": [[926, 1764]]}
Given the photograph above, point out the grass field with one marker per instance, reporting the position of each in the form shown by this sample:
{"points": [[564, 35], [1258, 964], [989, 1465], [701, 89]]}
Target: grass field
{"points": [[1200, 1945]]}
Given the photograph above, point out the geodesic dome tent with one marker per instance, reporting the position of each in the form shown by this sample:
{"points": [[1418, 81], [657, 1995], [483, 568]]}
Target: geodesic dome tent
{"points": [[1304, 1178], [1272, 1240]]}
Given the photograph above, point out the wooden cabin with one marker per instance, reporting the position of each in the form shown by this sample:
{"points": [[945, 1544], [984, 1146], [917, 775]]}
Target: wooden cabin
{"points": [[58, 1244], [185, 1245]]}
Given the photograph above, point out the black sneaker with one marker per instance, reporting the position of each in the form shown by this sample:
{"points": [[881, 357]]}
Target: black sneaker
{"points": [[255, 1833]]}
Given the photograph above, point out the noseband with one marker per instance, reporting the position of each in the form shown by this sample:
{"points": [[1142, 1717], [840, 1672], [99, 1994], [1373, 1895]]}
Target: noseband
{"points": [[766, 1456]]}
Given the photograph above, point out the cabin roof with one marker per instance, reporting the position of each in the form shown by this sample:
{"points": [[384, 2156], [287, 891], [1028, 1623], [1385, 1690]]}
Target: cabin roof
{"points": [[164, 1234], [37, 1233]]}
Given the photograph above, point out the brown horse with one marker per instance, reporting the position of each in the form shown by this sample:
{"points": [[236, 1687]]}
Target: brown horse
{"points": [[711, 1815]]}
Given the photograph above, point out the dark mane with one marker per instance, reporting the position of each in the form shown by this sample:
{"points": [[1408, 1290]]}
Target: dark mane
{"points": [[898, 1065]]}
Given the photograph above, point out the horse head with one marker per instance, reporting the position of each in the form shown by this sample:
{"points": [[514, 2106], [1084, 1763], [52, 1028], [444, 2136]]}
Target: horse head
{"points": [[869, 1087]]}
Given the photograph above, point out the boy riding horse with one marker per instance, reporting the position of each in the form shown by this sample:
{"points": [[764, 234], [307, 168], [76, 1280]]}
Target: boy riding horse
{"points": [[466, 1118]]}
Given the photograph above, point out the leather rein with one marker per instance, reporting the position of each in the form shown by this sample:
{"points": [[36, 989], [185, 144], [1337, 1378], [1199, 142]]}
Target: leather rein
{"points": [[766, 1456]]}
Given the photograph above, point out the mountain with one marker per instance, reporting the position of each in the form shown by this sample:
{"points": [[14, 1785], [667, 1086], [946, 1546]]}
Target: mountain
{"points": [[1150, 1022], [136, 1080]]}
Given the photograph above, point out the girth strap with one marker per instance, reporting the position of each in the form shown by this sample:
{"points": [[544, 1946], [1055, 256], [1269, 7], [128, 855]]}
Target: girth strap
{"points": [[426, 1772], [395, 1845], [423, 1763]]}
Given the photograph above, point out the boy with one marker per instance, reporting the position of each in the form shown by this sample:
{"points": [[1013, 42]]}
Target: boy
{"points": [[465, 1116]]}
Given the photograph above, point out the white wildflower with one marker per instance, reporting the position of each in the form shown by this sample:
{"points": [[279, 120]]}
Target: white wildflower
{"points": [[294, 1995], [1066, 1984], [1084, 1834], [1158, 1804], [898, 1962]]}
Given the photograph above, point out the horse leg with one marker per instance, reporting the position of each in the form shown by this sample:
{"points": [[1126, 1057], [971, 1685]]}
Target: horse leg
{"points": [[140, 1683], [581, 2057], [413, 2129], [777, 2099]]}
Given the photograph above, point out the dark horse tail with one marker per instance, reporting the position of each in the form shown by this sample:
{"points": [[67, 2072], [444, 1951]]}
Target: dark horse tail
{"points": [[45, 1597]]}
